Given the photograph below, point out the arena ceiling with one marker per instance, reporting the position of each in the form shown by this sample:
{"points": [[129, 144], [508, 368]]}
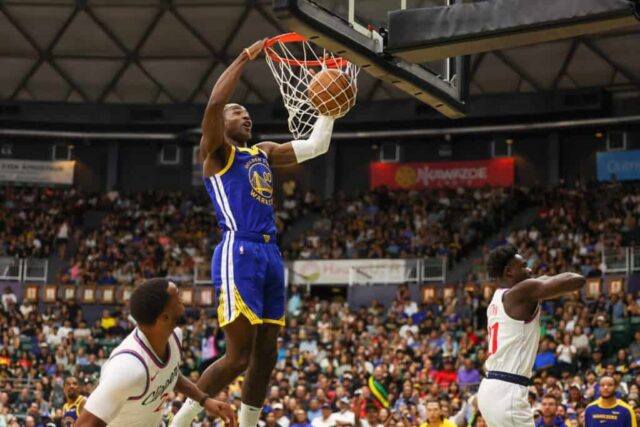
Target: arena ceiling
{"points": [[154, 51]]}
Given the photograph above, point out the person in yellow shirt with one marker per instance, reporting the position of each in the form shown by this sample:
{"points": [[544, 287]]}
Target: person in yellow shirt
{"points": [[609, 411], [435, 417], [75, 402], [108, 321]]}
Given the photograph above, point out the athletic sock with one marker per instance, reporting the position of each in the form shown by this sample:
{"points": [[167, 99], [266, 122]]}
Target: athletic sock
{"points": [[186, 414], [249, 415]]}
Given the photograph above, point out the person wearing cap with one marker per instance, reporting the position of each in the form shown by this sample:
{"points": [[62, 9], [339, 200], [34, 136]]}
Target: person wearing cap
{"points": [[281, 418], [609, 411], [326, 419], [575, 395], [344, 416]]}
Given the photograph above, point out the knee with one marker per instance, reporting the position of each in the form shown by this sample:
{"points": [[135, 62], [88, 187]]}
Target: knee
{"points": [[269, 356], [239, 362]]}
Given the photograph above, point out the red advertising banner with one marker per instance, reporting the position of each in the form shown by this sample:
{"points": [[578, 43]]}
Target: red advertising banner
{"points": [[415, 176]]}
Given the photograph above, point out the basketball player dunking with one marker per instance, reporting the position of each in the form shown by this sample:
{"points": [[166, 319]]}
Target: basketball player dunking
{"points": [[247, 269], [514, 334], [144, 369]]}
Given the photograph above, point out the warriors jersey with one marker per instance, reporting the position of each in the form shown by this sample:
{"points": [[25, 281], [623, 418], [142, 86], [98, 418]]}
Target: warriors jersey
{"points": [[513, 344], [135, 383], [242, 192], [71, 411], [618, 415]]}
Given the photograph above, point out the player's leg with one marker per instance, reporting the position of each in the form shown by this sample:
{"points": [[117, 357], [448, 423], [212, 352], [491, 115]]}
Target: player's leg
{"points": [[265, 348], [239, 337], [235, 272], [504, 404], [263, 360]]}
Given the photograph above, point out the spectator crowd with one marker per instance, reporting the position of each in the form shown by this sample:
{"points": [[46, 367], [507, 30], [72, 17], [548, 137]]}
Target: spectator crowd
{"points": [[338, 366], [404, 364]]}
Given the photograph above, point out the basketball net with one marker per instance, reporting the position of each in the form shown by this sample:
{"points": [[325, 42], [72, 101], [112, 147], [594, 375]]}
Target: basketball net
{"points": [[293, 62]]}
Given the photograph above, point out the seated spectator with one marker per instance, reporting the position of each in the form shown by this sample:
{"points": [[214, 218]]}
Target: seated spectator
{"points": [[546, 358], [468, 375], [549, 410], [107, 321], [326, 419], [435, 418], [9, 299]]}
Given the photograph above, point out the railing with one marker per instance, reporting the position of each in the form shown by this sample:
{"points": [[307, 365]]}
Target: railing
{"points": [[625, 260], [350, 271], [10, 269], [418, 270], [36, 269], [23, 269]]}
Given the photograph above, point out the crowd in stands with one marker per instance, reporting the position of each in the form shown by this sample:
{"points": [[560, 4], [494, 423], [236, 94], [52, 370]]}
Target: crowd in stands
{"points": [[370, 366], [575, 225], [33, 221], [113, 238], [401, 224]]}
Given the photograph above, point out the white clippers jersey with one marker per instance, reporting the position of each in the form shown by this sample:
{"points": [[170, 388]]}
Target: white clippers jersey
{"points": [[144, 409], [513, 344]]}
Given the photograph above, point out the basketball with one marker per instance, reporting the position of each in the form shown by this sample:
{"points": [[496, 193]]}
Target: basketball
{"points": [[332, 92]]}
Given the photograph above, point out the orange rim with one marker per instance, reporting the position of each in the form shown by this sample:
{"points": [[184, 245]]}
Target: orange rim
{"points": [[330, 62]]}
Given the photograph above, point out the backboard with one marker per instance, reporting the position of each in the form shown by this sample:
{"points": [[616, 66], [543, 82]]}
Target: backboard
{"points": [[357, 30]]}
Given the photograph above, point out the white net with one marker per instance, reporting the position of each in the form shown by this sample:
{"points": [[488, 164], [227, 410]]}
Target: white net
{"points": [[294, 62]]}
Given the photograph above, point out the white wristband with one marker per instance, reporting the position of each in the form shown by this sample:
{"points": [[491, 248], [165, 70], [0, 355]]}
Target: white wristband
{"points": [[317, 143]]}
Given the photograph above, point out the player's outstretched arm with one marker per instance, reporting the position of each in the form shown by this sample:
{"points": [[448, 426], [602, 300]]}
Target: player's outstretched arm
{"points": [[543, 288], [212, 406], [213, 119], [301, 150]]}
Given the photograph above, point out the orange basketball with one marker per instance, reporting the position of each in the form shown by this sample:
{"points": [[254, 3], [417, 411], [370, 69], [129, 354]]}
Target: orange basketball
{"points": [[332, 92]]}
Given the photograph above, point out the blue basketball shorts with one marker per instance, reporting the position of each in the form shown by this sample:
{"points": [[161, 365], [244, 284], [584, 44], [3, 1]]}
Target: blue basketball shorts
{"points": [[248, 275]]}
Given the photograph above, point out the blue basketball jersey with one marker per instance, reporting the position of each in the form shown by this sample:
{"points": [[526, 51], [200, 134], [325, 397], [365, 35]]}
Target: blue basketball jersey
{"points": [[242, 192], [71, 412]]}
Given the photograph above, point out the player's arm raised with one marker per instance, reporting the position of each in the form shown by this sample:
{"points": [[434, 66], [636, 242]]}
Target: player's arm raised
{"points": [[213, 120], [543, 288], [212, 406], [301, 150]]}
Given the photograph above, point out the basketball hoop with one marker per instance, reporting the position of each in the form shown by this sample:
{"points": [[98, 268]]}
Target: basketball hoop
{"points": [[294, 61]]}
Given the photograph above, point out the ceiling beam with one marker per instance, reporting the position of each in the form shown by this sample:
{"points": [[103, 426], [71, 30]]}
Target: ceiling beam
{"points": [[219, 57], [509, 63], [43, 55], [373, 91], [270, 19], [618, 67], [131, 57], [565, 64], [119, 58], [476, 65]]}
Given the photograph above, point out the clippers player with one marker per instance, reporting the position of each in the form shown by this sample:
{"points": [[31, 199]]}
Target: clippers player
{"points": [[514, 334], [247, 269], [145, 368]]}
